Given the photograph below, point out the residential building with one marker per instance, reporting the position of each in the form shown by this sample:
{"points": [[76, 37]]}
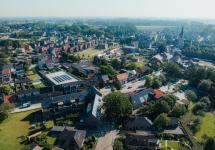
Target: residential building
{"points": [[141, 140], [122, 78], [137, 123], [138, 99], [94, 108], [5, 74], [69, 138]]}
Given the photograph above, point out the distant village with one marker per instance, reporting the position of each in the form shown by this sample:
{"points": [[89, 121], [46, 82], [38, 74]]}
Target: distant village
{"points": [[105, 87]]}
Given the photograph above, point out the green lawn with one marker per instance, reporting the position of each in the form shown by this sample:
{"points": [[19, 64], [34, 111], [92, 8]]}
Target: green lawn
{"points": [[89, 53], [207, 127], [166, 145], [11, 129], [140, 64], [39, 86]]}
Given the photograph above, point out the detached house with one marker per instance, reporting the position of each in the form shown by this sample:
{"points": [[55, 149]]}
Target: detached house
{"points": [[69, 138], [5, 74], [141, 97], [141, 140], [122, 78], [138, 123]]}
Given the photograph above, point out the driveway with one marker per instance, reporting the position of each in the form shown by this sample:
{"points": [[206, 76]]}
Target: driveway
{"points": [[106, 142], [32, 107]]}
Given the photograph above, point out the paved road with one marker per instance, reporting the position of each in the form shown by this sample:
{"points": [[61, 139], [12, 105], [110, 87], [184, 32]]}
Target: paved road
{"points": [[32, 107], [106, 142]]}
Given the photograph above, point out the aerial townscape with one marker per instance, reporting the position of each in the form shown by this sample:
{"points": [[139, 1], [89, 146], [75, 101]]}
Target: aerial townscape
{"points": [[107, 84]]}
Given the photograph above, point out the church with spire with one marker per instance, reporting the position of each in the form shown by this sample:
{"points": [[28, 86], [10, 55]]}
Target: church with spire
{"points": [[181, 39]]}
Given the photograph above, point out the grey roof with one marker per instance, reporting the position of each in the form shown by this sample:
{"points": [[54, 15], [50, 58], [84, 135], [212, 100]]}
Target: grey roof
{"points": [[74, 138], [63, 98], [139, 98], [138, 123], [105, 78], [58, 129], [173, 121], [158, 57]]}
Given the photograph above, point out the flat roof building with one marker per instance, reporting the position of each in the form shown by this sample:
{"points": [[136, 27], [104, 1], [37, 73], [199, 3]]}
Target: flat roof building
{"points": [[59, 78]]}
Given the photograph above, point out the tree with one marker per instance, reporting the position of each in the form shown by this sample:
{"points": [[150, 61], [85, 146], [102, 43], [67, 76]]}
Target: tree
{"points": [[3, 61], [161, 121], [172, 69], [170, 99], [205, 85], [191, 95], [118, 144], [209, 144], [117, 105], [148, 81], [116, 64], [161, 48], [4, 110], [6, 89], [206, 100], [160, 107], [178, 110], [26, 66], [74, 58], [156, 83], [107, 69], [131, 66], [118, 85], [199, 107]]}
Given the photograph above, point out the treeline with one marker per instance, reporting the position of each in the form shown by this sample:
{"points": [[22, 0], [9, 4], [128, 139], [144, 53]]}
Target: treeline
{"points": [[208, 54]]}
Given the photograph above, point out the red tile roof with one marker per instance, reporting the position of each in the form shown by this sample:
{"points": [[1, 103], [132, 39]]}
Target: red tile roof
{"points": [[158, 94], [123, 76], [6, 99], [6, 71]]}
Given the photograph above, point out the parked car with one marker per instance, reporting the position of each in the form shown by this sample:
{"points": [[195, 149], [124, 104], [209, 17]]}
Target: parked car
{"points": [[25, 105]]}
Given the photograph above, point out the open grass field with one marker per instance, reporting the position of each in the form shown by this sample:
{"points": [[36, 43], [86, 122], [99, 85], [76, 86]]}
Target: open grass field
{"points": [[12, 128], [89, 53], [207, 127]]}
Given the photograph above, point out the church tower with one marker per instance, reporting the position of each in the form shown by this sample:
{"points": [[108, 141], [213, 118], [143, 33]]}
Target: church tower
{"points": [[181, 39]]}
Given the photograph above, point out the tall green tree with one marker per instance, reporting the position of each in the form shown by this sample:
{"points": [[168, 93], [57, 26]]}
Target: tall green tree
{"points": [[210, 144], [6, 89], [117, 105], [161, 121]]}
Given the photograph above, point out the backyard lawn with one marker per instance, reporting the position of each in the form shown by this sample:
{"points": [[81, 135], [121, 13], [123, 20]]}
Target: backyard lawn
{"points": [[165, 145], [12, 128], [207, 127], [89, 53], [140, 64]]}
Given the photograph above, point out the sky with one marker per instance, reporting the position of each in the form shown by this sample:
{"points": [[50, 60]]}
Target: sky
{"points": [[202, 9]]}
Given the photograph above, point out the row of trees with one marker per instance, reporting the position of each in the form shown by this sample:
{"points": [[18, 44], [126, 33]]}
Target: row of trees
{"points": [[155, 82], [203, 81], [4, 108]]}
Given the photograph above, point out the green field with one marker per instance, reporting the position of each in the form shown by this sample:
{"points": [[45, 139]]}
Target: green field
{"points": [[207, 127], [89, 53], [11, 129]]}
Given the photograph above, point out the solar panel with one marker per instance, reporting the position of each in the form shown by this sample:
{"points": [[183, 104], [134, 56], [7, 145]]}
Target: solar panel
{"points": [[61, 78]]}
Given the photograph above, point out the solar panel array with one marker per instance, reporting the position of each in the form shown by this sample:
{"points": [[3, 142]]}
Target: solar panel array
{"points": [[62, 78]]}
